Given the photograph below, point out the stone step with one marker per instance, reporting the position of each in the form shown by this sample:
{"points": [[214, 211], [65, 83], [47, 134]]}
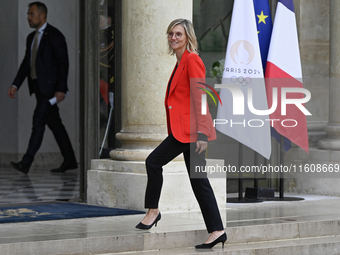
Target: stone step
{"points": [[295, 227], [270, 232], [329, 245]]}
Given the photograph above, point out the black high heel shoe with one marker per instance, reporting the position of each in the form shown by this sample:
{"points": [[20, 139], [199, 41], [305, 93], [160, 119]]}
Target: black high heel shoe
{"points": [[143, 226], [221, 239]]}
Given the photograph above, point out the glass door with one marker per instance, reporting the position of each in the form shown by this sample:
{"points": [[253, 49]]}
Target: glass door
{"points": [[100, 28]]}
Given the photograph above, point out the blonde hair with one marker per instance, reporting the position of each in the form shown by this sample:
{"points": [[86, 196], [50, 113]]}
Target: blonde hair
{"points": [[190, 33]]}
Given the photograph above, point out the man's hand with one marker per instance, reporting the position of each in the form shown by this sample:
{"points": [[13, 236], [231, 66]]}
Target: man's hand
{"points": [[11, 92], [201, 146], [60, 96]]}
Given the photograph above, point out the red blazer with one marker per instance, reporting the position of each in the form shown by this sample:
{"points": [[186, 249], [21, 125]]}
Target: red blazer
{"points": [[183, 103]]}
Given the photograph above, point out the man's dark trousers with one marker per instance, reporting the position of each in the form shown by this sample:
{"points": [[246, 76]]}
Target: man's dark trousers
{"points": [[47, 114]]}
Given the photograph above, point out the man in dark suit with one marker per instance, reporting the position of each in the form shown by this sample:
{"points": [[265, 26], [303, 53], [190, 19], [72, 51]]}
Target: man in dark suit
{"points": [[46, 66]]}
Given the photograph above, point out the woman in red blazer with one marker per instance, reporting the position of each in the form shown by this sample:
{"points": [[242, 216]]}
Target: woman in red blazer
{"points": [[189, 132]]}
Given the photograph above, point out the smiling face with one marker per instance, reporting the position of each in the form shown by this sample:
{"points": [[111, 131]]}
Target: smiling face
{"points": [[178, 39], [35, 17]]}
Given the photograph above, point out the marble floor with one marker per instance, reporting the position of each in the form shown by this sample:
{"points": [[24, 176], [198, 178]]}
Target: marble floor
{"points": [[39, 185]]}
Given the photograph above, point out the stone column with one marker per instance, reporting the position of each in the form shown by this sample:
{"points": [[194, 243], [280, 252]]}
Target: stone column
{"points": [[319, 56], [145, 72], [146, 68], [332, 142]]}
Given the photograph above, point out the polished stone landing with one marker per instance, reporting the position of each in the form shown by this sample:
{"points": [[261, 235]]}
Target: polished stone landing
{"points": [[265, 227], [39, 185]]}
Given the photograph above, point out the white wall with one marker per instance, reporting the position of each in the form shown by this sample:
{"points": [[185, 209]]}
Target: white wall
{"points": [[8, 66]]}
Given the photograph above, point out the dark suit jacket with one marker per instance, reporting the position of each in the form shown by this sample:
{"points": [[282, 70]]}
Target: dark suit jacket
{"points": [[51, 63]]}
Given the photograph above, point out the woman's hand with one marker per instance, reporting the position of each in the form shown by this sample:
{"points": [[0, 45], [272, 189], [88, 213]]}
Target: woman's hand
{"points": [[201, 146]]}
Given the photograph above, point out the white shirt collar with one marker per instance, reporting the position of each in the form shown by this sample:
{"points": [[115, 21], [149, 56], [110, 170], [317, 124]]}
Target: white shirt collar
{"points": [[42, 28]]}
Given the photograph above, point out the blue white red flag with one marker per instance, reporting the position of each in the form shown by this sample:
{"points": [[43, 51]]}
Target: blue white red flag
{"points": [[264, 29], [283, 70]]}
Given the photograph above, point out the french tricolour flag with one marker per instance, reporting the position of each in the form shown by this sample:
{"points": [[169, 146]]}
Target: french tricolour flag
{"points": [[284, 71]]}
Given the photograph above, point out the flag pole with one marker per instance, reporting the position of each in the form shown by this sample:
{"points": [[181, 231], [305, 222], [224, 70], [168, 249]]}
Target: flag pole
{"points": [[240, 180], [282, 154], [258, 193], [256, 176]]}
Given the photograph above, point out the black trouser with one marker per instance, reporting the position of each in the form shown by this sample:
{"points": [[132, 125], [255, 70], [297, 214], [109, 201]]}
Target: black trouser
{"points": [[47, 114], [163, 154]]}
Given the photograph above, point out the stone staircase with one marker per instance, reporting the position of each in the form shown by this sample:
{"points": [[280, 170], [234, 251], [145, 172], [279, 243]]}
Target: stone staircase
{"points": [[304, 246], [316, 237], [308, 227], [319, 237]]}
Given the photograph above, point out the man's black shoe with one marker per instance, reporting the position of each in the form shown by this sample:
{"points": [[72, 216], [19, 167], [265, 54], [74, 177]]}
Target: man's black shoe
{"points": [[64, 167], [21, 166]]}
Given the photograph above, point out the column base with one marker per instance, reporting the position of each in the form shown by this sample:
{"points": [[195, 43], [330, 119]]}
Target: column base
{"points": [[129, 155], [306, 180], [134, 155], [121, 184], [329, 144], [136, 146], [332, 142]]}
